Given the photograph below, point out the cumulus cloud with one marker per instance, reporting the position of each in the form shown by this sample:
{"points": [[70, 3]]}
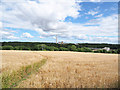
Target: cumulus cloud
{"points": [[27, 35], [0, 25], [41, 37], [7, 34], [47, 17], [13, 0], [54, 37], [95, 0], [91, 12], [46, 14]]}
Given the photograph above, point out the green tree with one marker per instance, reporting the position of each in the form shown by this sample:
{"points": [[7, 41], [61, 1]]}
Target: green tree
{"points": [[96, 51], [114, 51], [56, 49], [104, 51], [40, 46], [109, 52], [73, 48], [7, 48], [69, 48], [118, 51], [51, 48], [0, 47], [35, 47], [79, 50], [43, 46], [85, 49], [25, 48], [63, 49], [16, 48], [100, 51]]}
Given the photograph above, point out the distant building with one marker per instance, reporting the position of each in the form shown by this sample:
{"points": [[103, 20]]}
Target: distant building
{"points": [[95, 49], [61, 42], [76, 44], [106, 48]]}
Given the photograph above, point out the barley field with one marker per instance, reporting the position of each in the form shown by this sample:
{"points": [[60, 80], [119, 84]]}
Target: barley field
{"points": [[64, 69], [13, 60]]}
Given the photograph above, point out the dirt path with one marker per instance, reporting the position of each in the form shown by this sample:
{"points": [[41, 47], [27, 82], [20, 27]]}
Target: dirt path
{"points": [[73, 69]]}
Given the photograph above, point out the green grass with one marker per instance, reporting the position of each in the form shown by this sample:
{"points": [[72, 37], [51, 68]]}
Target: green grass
{"points": [[10, 80]]}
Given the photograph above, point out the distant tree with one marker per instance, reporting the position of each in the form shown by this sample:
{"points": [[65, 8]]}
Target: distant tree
{"points": [[63, 49], [100, 51], [40, 46], [96, 51], [44, 50], [118, 51], [73, 48], [16, 48], [21, 47], [114, 51], [51, 48], [25, 48], [85, 49], [109, 52], [35, 47], [43, 46], [56, 49], [104, 51], [0, 47], [79, 50], [7, 48], [69, 48]]}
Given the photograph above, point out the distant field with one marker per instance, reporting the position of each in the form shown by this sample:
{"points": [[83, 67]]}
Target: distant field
{"points": [[64, 69]]}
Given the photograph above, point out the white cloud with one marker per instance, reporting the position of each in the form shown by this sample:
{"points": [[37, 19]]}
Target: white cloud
{"points": [[54, 37], [41, 14], [7, 34], [14, 1], [103, 27], [95, 0], [27, 35], [91, 12], [47, 18], [100, 15], [0, 25], [41, 37]]}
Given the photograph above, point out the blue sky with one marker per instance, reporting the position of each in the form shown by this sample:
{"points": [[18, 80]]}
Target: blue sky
{"points": [[71, 21], [105, 8]]}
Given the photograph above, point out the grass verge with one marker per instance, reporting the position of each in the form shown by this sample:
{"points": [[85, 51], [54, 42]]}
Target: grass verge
{"points": [[11, 80]]}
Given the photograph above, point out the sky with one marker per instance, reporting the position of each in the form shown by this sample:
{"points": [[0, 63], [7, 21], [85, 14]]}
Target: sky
{"points": [[73, 21]]}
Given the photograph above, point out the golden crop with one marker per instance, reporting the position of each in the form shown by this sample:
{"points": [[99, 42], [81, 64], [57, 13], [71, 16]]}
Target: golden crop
{"points": [[65, 69]]}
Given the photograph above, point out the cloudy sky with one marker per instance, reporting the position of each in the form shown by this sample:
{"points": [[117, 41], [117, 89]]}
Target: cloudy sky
{"points": [[73, 21]]}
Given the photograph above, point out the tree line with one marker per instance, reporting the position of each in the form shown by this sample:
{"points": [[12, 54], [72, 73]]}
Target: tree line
{"points": [[36, 46]]}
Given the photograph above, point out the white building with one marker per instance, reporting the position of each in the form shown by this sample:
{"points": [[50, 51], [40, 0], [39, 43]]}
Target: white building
{"points": [[106, 48]]}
